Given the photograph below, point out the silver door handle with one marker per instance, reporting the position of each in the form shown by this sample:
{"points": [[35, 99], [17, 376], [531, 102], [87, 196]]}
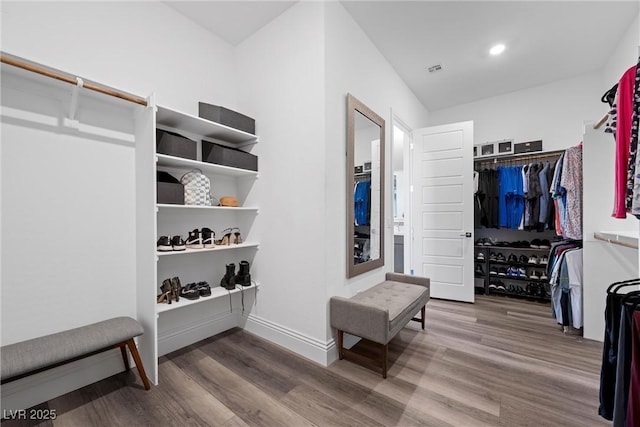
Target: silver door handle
{"points": [[468, 235]]}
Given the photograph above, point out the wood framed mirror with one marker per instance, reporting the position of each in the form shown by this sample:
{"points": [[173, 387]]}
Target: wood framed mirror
{"points": [[365, 188]]}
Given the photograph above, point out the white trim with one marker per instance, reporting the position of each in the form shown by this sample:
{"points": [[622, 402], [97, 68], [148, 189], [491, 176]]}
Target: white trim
{"points": [[176, 339], [322, 352]]}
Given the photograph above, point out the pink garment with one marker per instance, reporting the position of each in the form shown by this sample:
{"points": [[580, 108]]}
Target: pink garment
{"points": [[623, 139]]}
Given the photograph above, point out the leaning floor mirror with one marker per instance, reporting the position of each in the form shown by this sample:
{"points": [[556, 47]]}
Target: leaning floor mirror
{"points": [[365, 188]]}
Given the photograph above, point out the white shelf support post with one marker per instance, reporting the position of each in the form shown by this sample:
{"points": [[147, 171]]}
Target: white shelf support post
{"points": [[71, 121]]}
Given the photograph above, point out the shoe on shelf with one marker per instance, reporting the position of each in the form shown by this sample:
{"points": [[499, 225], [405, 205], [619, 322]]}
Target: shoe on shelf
{"points": [[493, 271], [523, 259], [545, 244], [204, 289], [502, 271], [479, 270], [535, 243], [512, 258], [533, 259], [544, 260], [501, 288], [480, 257], [190, 292], [243, 278], [178, 244], [226, 237], [522, 272], [228, 281], [492, 256], [166, 292], [543, 276], [164, 244], [175, 288], [208, 238], [194, 241], [500, 258], [534, 275]]}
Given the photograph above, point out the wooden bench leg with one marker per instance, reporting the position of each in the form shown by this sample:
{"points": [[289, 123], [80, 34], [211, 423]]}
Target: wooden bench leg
{"points": [[125, 359], [136, 357], [422, 313], [340, 350], [385, 358]]}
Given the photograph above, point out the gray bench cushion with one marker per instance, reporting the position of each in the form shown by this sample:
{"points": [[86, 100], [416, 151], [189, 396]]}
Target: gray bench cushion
{"points": [[27, 356], [402, 300]]}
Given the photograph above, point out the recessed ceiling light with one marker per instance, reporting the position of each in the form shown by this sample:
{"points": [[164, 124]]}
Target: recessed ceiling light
{"points": [[497, 49]]}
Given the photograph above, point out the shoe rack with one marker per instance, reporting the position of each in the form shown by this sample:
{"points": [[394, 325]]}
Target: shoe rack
{"points": [[182, 323], [492, 264]]}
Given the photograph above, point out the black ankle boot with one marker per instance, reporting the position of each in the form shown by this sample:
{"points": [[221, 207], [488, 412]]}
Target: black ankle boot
{"points": [[243, 277], [229, 279]]}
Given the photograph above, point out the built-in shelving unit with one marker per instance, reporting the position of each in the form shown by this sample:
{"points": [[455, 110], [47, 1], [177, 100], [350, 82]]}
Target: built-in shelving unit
{"points": [[171, 326], [216, 293], [214, 249]]}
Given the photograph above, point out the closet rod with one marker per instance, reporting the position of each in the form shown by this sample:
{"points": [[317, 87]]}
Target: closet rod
{"points": [[519, 157], [607, 237], [600, 122], [71, 80]]}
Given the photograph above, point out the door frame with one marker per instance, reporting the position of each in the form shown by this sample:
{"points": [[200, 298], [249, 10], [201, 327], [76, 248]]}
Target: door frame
{"points": [[396, 120]]}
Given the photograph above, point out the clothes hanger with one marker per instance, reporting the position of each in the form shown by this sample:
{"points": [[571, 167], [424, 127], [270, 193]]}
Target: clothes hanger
{"points": [[609, 96], [633, 295], [623, 283]]}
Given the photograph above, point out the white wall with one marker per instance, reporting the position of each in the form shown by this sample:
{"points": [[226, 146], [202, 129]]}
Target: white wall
{"points": [[554, 113], [624, 56], [354, 65], [139, 47], [281, 68]]}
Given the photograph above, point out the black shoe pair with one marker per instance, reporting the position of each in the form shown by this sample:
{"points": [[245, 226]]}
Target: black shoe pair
{"points": [[193, 291], [167, 244]]}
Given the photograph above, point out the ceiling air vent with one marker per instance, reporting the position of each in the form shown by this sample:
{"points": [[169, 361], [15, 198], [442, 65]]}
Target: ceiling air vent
{"points": [[435, 68]]}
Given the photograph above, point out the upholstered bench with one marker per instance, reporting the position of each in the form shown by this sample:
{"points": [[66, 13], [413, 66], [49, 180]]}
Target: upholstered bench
{"points": [[26, 358], [379, 313]]}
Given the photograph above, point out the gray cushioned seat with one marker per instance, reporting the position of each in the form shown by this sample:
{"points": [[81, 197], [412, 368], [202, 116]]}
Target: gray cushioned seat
{"points": [[402, 300], [33, 354]]}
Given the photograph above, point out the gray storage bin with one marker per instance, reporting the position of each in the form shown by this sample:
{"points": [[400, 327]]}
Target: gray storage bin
{"points": [[169, 190], [227, 117], [176, 145], [226, 156]]}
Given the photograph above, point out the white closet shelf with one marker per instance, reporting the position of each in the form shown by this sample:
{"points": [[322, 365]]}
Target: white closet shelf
{"points": [[212, 168], [222, 208], [216, 248], [197, 125], [216, 292], [627, 239]]}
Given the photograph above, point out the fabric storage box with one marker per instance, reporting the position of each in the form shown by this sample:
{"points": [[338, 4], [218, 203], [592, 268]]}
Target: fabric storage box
{"points": [[176, 145], [169, 190], [226, 117], [226, 156]]}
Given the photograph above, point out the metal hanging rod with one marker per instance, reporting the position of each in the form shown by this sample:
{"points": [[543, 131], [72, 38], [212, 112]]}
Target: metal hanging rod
{"points": [[16, 62], [519, 157]]}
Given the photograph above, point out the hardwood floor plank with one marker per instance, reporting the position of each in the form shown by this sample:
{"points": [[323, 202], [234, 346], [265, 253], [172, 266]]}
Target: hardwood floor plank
{"points": [[498, 362]]}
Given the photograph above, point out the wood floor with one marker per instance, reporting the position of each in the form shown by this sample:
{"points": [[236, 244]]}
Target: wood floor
{"points": [[499, 362]]}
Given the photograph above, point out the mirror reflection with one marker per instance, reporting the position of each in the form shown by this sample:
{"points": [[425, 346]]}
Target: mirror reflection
{"points": [[366, 192], [365, 188]]}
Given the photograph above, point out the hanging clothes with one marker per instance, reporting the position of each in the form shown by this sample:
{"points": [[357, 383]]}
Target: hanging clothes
{"points": [[619, 399], [623, 139], [571, 182], [361, 195]]}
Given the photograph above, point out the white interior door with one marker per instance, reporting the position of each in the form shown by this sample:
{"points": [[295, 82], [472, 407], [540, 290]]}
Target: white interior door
{"points": [[442, 209]]}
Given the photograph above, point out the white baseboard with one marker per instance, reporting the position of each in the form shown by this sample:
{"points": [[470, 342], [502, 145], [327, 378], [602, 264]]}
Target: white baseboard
{"points": [[38, 388], [311, 348], [199, 330]]}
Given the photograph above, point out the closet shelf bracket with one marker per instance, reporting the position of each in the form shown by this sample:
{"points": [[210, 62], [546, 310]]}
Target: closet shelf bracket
{"points": [[71, 121]]}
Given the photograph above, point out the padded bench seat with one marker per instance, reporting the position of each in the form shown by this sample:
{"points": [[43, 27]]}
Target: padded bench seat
{"points": [[39, 354], [380, 312]]}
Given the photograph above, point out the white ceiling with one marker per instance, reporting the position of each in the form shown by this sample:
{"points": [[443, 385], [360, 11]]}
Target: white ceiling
{"points": [[546, 40]]}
